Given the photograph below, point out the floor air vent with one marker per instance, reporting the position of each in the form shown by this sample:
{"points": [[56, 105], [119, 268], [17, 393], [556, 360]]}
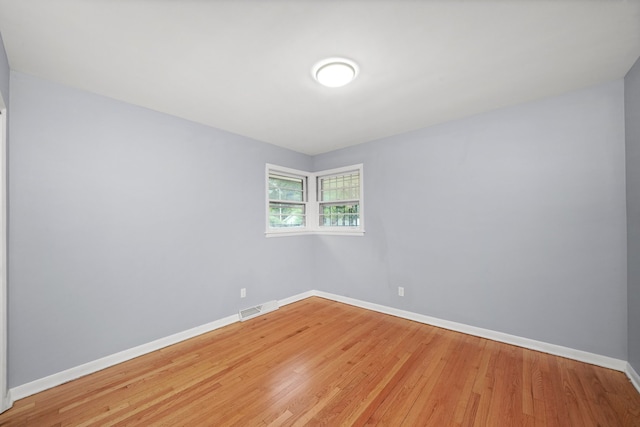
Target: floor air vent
{"points": [[251, 312]]}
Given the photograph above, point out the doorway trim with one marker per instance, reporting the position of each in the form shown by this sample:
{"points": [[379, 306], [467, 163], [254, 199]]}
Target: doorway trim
{"points": [[5, 397]]}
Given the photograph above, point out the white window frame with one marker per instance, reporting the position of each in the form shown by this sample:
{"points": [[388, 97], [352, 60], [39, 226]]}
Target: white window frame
{"points": [[308, 193], [312, 202]]}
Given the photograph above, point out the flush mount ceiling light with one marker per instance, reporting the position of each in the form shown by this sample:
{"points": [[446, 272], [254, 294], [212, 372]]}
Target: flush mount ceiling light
{"points": [[335, 72]]}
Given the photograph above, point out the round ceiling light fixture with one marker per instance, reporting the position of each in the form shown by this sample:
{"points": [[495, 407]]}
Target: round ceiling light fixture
{"points": [[335, 72]]}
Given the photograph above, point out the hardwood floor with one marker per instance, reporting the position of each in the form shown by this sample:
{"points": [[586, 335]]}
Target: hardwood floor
{"points": [[318, 362]]}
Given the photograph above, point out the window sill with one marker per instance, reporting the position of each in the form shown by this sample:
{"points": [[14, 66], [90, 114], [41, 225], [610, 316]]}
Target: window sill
{"points": [[358, 233]]}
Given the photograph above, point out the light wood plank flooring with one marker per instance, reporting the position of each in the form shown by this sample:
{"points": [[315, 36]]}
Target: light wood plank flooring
{"points": [[318, 362]]}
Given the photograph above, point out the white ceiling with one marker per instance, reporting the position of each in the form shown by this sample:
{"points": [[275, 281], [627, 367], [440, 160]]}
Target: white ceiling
{"points": [[245, 66]]}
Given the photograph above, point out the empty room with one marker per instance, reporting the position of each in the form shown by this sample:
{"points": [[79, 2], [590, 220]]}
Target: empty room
{"points": [[252, 213]]}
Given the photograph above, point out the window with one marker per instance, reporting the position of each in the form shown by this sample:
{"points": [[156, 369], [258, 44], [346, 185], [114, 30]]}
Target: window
{"points": [[287, 201], [326, 202], [339, 197]]}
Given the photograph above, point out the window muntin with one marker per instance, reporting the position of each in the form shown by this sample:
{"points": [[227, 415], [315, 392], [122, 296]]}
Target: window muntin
{"points": [[340, 215], [340, 187]]}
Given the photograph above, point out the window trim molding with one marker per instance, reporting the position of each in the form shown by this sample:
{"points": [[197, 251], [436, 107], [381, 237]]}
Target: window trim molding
{"points": [[312, 202]]}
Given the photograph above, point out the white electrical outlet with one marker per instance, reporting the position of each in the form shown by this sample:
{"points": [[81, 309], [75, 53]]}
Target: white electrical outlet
{"points": [[243, 292], [400, 291]]}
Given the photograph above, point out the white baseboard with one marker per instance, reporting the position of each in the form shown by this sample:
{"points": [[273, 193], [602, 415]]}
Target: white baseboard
{"points": [[45, 383], [59, 378], [633, 376], [296, 298], [557, 350]]}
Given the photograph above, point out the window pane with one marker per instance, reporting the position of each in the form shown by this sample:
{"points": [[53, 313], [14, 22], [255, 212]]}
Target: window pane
{"points": [[340, 215], [342, 187], [286, 188], [286, 215]]}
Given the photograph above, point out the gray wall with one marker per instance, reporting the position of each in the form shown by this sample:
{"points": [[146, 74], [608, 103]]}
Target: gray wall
{"points": [[4, 74], [632, 123], [512, 221], [129, 225]]}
